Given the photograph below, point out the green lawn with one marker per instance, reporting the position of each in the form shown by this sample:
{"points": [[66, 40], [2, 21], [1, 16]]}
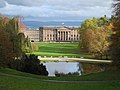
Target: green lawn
{"points": [[60, 49], [11, 83], [35, 82], [109, 75]]}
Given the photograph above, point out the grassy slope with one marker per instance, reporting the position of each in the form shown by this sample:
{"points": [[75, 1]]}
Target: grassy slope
{"points": [[60, 49], [19, 83], [109, 75], [10, 83]]}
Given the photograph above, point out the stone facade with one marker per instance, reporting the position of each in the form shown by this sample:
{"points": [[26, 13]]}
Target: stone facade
{"points": [[34, 35], [54, 34]]}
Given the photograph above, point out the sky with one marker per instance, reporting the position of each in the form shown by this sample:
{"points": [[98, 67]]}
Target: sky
{"points": [[56, 10]]}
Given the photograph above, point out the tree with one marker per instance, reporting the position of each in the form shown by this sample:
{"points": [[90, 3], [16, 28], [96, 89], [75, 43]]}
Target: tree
{"points": [[10, 35], [19, 42], [115, 46], [9, 25], [100, 44], [6, 52], [94, 36], [103, 21], [24, 43], [31, 64], [88, 24]]}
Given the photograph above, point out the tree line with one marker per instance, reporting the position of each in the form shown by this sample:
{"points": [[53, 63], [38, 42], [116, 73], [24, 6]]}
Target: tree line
{"points": [[14, 46], [101, 36], [95, 36]]}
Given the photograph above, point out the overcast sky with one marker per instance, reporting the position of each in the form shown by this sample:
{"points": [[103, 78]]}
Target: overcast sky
{"points": [[56, 9]]}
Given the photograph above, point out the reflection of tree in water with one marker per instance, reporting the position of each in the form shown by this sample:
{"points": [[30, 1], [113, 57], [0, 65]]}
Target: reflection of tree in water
{"points": [[58, 74], [87, 68], [80, 68]]}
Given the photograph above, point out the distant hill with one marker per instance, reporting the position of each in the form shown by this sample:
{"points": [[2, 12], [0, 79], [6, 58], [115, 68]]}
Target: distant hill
{"points": [[37, 24]]}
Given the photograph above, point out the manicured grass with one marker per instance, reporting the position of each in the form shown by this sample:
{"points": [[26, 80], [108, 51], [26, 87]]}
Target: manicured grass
{"points": [[11, 83], [60, 49], [20, 83], [101, 76]]}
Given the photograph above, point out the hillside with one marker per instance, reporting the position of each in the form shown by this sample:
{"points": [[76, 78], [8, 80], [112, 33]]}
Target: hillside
{"points": [[14, 80]]}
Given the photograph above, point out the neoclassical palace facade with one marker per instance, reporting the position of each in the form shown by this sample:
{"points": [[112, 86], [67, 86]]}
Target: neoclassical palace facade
{"points": [[53, 34]]}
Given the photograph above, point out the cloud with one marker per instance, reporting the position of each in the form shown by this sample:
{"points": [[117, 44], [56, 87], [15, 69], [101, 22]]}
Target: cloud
{"points": [[25, 2], [65, 3], [61, 4], [2, 3], [56, 8]]}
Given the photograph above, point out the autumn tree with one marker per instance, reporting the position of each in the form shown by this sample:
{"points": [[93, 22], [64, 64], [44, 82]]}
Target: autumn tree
{"points": [[94, 36], [115, 46], [88, 24], [20, 43], [12, 41], [102, 21], [100, 43]]}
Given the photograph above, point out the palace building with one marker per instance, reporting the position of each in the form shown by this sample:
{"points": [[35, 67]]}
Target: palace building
{"points": [[53, 34]]}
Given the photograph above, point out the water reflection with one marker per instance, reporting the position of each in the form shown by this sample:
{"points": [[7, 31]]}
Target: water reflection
{"points": [[64, 67]]}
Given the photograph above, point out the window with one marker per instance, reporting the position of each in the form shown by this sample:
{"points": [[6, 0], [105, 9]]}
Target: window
{"points": [[69, 38]]}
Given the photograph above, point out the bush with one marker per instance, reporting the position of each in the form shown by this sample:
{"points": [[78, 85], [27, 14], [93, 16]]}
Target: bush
{"points": [[32, 65]]}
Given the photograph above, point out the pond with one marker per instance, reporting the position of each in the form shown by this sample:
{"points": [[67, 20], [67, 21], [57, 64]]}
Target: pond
{"points": [[61, 67]]}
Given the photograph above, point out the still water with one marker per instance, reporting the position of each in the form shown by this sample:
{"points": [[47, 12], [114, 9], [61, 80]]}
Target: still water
{"points": [[64, 67]]}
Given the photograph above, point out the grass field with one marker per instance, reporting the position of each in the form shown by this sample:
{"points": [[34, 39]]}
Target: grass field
{"points": [[25, 81], [60, 49], [109, 75]]}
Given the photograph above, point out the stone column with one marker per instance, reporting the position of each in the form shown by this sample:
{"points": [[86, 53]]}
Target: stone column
{"points": [[58, 35], [68, 36], [65, 35], [62, 36]]}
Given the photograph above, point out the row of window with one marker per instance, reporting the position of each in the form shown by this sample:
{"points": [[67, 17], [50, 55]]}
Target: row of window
{"points": [[61, 39], [56, 35]]}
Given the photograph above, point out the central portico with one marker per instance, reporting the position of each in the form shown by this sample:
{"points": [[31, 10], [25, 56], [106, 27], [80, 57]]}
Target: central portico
{"points": [[63, 34]]}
